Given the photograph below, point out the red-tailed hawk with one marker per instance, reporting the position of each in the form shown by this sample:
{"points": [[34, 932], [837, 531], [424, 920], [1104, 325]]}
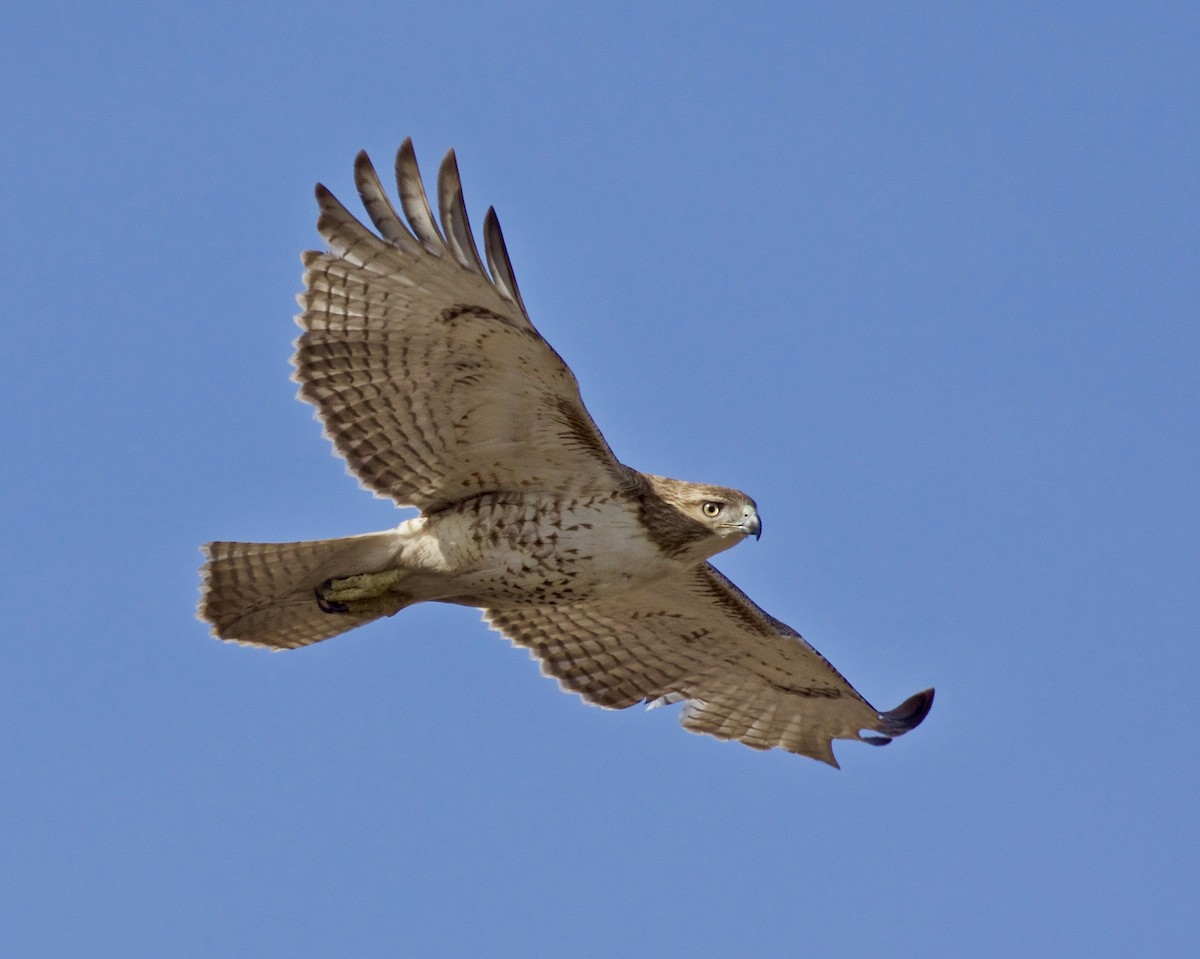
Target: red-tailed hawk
{"points": [[438, 391]]}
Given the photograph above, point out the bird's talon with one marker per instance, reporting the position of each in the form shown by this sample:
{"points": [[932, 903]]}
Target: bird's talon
{"points": [[328, 605], [359, 587]]}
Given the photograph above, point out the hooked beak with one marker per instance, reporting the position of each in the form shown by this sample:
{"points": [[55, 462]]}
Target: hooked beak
{"points": [[752, 526]]}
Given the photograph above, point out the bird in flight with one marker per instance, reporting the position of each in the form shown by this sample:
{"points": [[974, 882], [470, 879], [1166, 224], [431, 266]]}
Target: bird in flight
{"points": [[434, 386]]}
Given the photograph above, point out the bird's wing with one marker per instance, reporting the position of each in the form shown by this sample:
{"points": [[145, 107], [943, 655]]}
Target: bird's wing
{"points": [[423, 365], [696, 638]]}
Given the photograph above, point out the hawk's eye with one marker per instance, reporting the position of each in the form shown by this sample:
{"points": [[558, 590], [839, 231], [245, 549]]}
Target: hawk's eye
{"points": [[712, 509]]}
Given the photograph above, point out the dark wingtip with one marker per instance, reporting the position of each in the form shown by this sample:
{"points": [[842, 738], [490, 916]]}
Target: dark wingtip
{"points": [[908, 715]]}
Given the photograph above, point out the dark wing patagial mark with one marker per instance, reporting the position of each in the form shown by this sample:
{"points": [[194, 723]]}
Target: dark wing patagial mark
{"points": [[582, 433]]}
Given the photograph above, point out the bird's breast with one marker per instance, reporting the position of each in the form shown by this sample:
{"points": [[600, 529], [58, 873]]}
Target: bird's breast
{"points": [[544, 549]]}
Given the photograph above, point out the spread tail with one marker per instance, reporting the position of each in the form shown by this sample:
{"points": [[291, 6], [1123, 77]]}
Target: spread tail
{"points": [[264, 594]]}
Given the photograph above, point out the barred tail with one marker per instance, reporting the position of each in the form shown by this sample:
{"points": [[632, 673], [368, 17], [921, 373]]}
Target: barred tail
{"points": [[263, 594]]}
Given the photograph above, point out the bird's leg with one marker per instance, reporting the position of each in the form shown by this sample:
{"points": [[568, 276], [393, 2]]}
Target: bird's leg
{"points": [[389, 604], [363, 592]]}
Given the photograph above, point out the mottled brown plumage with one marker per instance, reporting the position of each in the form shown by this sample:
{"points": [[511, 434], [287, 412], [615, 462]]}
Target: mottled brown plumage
{"points": [[437, 390]]}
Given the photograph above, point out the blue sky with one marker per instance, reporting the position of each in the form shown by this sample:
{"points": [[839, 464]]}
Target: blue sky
{"points": [[922, 279]]}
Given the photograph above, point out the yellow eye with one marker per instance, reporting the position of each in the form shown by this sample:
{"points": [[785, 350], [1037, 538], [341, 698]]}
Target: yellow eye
{"points": [[712, 509]]}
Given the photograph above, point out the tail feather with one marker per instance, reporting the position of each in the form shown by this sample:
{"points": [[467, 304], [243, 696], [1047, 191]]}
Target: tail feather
{"points": [[263, 594]]}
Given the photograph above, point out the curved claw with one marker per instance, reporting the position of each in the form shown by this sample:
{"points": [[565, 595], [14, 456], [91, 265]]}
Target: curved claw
{"points": [[326, 605]]}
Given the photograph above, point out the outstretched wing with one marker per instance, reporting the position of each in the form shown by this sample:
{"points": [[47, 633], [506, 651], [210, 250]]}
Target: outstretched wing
{"points": [[698, 638], [430, 379]]}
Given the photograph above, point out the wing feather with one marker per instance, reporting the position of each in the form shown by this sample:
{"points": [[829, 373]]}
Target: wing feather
{"points": [[425, 370], [349, 239], [697, 638], [498, 261], [414, 201], [453, 210], [379, 206]]}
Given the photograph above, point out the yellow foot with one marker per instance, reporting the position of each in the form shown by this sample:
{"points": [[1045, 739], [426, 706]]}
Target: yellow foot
{"points": [[363, 593], [362, 586], [389, 604]]}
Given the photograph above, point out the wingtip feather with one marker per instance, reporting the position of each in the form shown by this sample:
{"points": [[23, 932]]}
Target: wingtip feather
{"points": [[498, 261], [414, 201], [908, 715], [453, 210], [378, 206]]}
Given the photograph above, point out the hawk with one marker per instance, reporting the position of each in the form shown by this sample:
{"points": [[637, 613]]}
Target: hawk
{"points": [[437, 390]]}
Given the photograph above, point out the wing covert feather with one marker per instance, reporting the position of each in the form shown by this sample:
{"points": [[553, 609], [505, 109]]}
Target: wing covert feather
{"points": [[425, 370], [696, 638]]}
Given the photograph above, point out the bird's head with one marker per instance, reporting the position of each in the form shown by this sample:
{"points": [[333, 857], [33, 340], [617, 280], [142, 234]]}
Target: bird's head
{"points": [[727, 512], [707, 519]]}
